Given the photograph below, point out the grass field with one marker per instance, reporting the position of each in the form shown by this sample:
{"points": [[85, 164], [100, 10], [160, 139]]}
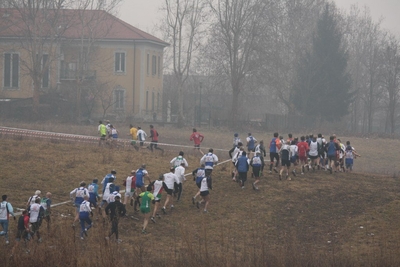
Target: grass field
{"points": [[319, 219]]}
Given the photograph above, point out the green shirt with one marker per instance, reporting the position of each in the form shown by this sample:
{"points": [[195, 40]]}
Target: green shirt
{"points": [[146, 198]]}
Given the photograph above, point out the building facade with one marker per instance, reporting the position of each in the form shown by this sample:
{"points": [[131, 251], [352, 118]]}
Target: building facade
{"points": [[99, 65]]}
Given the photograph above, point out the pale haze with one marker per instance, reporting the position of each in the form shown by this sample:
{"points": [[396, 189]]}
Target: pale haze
{"points": [[145, 14]]}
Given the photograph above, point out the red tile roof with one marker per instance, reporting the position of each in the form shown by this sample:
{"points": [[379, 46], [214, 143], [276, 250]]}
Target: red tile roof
{"points": [[73, 24]]}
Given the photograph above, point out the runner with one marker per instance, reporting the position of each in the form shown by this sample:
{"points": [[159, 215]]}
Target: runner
{"points": [[257, 165], [169, 179], [130, 187], [141, 136], [331, 149], [180, 173], [236, 140], [141, 174], [314, 152], [93, 190], [133, 133], [46, 204], [233, 154], [146, 197], [209, 160], [293, 156], [350, 155], [154, 140], [242, 166], [79, 193], [158, 186], [116, 209], [250, 143], [302, 148], [102, 130], [32, 199], [175, 162], [205, 186], [274, 147], [84, 211], [5, 210], [36, 213], [197, 138], [285, 160], [198, 175]]}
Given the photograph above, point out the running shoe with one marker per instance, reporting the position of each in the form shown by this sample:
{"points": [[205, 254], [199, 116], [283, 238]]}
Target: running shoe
{"points": [[270, 171], [144, 232], [288, 178], [172, 207], [82, 238], [7, 242], [302, 169], [330, 170], [153, 220], [254, 186], [294, 173], [119, 241], [193, 200], [163, 210], [198, 205], [275, 170], [85, 232], [280, 176], [242, 187]]}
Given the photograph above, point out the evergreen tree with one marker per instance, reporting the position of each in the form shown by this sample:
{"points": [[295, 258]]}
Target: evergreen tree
{"points": [[323, 83]]}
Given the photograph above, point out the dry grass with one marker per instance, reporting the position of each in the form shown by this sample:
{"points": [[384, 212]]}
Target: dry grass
{"points": [[315, 220]]}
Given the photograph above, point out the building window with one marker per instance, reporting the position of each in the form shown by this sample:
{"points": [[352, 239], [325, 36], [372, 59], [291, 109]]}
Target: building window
{"points": [[119, 62], [147, 100], [153, 100], [148, 64], [46, 72], [153, 65], [11, 70], [158, 101], [159, 66], [119, 96]]}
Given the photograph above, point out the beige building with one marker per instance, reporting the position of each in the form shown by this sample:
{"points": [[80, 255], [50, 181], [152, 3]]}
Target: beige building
{"points": [[98, 64]]}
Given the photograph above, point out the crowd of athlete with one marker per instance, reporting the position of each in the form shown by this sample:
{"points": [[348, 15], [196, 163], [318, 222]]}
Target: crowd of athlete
{"points": [[310, 152]]}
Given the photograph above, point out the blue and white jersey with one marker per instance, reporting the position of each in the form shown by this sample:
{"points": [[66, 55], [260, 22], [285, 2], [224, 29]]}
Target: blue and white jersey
{"points": [[79, 192], [84, 209], [93, 189], [256, 161], [209, 160]]}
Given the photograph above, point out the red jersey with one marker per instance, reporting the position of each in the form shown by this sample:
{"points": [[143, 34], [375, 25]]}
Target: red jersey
{"points": [[154, 135], [197, 138], [303, 149]]}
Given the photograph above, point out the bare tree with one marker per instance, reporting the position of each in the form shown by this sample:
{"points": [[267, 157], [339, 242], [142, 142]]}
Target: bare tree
{"points": [[90, 31], [182, 26], [233, 41], [39, 27], [391, 81]]}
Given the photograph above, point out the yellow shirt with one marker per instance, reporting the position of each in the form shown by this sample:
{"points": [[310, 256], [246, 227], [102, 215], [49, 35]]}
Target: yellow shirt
{"points": [[133, 132]]}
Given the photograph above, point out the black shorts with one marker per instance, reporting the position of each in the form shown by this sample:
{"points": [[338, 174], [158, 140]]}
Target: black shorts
{"points": [[272, 156], [313, 157], [243, 176], [286, 162], [204, 193], [197, 146], [169, 191], [332, 157], [257, 171]]}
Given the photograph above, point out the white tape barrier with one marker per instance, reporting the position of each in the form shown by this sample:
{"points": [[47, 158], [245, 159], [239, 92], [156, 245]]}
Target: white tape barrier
{"points": [[121, 191], [78, 138]]}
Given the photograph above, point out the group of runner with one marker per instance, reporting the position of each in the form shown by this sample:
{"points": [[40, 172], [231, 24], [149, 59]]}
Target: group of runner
{"points": [[310, 152]]}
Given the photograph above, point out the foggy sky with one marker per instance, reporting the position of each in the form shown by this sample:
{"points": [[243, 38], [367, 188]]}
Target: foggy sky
{"points": [[144, 14]]}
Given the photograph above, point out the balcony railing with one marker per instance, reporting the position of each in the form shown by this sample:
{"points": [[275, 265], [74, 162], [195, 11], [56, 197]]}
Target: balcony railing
{"points": [[67, 74]]}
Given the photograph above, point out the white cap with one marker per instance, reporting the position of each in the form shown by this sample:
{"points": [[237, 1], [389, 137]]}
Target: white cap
{"points": [[37, 192], [118, 195]]}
